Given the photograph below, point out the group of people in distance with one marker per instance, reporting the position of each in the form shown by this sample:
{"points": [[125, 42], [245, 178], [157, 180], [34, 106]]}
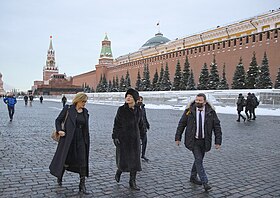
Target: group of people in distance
{"points": [[250, 105], [199, 121]]}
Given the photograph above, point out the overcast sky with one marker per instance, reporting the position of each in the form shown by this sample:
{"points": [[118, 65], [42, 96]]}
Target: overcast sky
{"points": [[78, 27]]}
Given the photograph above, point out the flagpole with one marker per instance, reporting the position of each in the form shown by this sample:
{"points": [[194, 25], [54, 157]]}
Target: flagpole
{"points": [[158, 27]]}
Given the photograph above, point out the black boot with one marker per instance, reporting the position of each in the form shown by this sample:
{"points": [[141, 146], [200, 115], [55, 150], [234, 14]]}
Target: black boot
{"points": [[118, 175], [132, 182], [59, 179], [82, 185]]}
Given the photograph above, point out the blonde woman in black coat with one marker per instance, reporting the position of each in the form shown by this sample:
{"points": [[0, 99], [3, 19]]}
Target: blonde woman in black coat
{"points": [[72, 152], [128, 125]]}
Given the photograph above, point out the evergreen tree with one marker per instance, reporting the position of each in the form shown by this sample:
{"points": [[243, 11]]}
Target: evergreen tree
{"points": [[155, 81], [264, 81], [127, 81], [104, 85], [114, 86], [146, 82], [99, 85], [191, 83], [122, 84], [239, 78], [186, 73], [252, 73], [277, 81], [159, 85], [148, 79], [110, 86], [177, 77], [203, 78], [138, 82], [166, 84], [223, 83], [117, 84], [214, 78]]}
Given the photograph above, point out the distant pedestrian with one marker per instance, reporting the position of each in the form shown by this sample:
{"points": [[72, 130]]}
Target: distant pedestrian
{"points": [[240, 107], [63, 100], [255, 104], [249, 106], [31, 97], [146, 126], [128, 127], [10, 100], [25, 98], [200, 120], [41, 99], [72, 152]]}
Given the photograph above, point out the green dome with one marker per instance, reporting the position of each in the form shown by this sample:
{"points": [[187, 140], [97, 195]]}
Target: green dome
{"points": [[158, 39]]}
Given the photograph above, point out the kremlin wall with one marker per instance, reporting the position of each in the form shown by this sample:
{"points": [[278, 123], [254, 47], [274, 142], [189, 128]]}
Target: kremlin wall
{"points": [[228, 43]]}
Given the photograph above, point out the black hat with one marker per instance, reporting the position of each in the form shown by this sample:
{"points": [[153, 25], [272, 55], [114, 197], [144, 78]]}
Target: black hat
{"points": [[132, 92]]}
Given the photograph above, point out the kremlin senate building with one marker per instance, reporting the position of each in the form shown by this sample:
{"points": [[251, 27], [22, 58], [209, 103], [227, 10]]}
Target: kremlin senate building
{"points": [[227, 44]]}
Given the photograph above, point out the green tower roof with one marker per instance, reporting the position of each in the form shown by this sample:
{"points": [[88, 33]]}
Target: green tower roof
{"points": [[106, 48]]}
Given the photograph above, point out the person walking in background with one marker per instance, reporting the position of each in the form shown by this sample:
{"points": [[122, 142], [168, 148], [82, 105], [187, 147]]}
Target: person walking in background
{"points": [[63, 100], [240, 107], [31, 99], [25, 98], [200, 120], [10, 100], [41, 99], [128, 127], [249, 106], [255, 103], [72, 152], [146, 126]]}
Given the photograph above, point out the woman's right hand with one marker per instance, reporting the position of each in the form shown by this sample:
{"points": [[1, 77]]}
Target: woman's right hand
{"points": [[61, 133]]}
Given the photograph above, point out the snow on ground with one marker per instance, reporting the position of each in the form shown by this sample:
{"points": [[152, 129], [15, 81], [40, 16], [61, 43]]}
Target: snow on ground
{"points": [[219, 109]]}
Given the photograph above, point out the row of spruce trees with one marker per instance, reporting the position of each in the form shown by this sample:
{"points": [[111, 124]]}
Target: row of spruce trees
{"points": [[256, 77]]}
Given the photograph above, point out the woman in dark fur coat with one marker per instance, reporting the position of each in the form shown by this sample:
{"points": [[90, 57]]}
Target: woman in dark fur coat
{"points": [[72, 152], [128, 126]]}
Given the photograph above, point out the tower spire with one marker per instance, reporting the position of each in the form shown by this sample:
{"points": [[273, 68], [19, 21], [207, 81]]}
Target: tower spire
{"points": [[51, 47], [50, 67], [106, 51]]}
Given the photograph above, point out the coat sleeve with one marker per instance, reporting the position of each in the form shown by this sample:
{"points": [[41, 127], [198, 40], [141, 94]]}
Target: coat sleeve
{"points": [[217, 129], [117, 125], [181, 125], [60, 118], [141, 125], [145, 119]]}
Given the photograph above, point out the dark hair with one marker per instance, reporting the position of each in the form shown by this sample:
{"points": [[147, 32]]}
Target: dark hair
{"points": [[140, 97], [201, 95]]}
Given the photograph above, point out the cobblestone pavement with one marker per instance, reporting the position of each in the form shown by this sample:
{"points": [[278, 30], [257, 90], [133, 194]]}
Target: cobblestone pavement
{"points": [[247, 165]]}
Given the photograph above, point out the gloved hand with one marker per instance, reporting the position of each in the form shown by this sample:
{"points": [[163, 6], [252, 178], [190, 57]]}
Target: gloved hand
{"points": [[117, 142]]}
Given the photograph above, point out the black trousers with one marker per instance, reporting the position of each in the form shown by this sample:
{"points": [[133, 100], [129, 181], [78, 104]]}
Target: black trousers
{"points": [[11, 111], [198, 153], [144, 144], [240, 115]]}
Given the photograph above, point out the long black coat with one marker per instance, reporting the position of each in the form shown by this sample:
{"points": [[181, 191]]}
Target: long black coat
{"points": [[56, 166], [240, 103], [188, 121], [128, 126]]}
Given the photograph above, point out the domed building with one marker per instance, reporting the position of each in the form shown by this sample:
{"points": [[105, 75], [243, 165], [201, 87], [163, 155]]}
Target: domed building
{"points": [[158, 39], [258, 34]]}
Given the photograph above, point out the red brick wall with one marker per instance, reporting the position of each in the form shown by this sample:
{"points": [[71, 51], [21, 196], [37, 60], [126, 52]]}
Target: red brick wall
{"points": [[228, 55]]}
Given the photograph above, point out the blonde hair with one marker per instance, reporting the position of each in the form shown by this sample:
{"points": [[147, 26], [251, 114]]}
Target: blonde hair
{"points": [[81, 96]]}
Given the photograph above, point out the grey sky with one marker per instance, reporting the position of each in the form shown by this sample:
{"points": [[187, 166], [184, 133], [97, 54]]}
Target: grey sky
{"points": [[78, 27]]}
